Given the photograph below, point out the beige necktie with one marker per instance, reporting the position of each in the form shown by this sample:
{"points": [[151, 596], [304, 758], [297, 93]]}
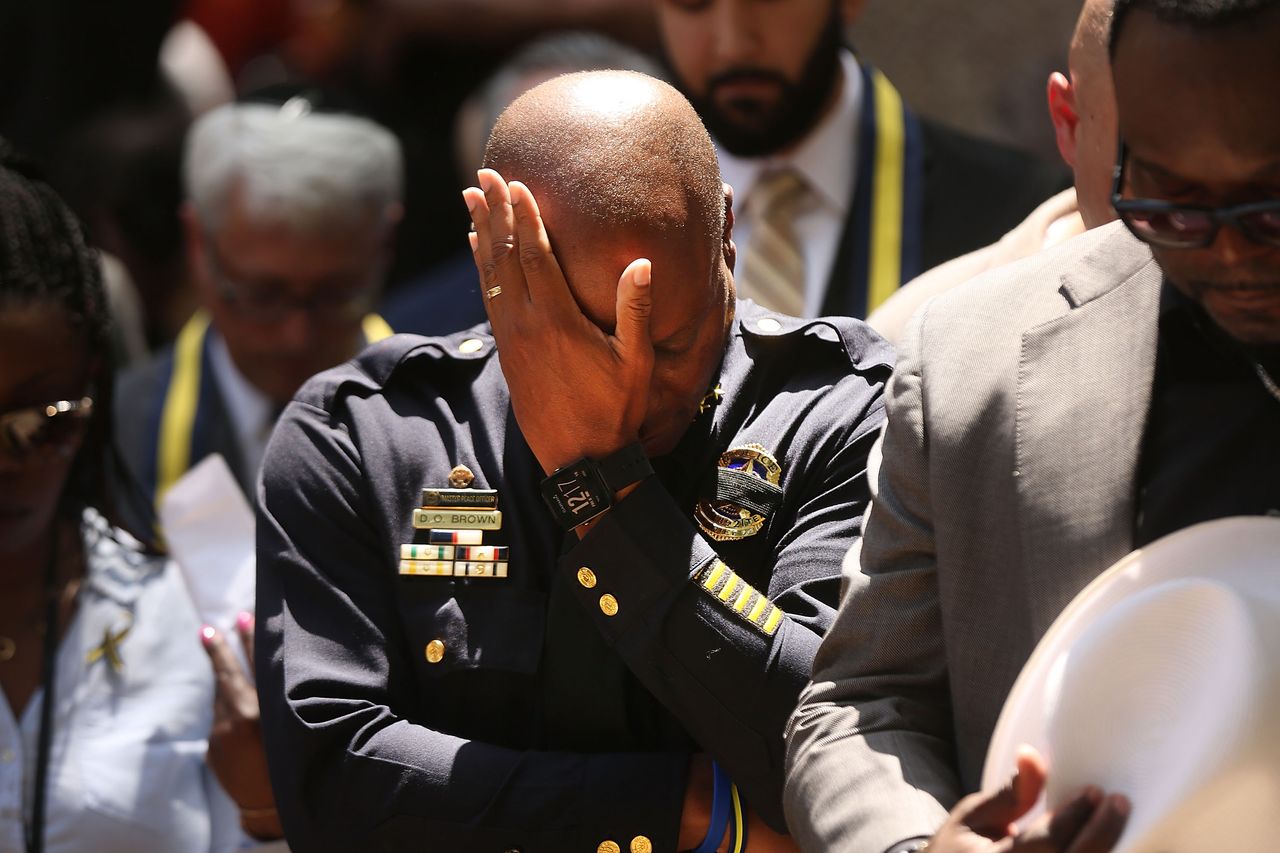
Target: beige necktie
{"points": [[772, 269]]}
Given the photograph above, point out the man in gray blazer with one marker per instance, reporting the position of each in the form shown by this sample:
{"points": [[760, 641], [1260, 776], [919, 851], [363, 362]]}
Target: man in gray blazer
{"points": [[1044, 421]]}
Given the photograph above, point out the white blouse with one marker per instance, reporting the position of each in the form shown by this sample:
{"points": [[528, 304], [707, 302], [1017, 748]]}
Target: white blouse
{"points": [[127, 770]]}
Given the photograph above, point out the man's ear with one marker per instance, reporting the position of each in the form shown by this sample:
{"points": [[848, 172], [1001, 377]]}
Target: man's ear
{"points": [[1063, 114], [728, 247]]}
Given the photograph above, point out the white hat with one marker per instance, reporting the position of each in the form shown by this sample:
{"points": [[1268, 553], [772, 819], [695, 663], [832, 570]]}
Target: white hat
{"points": [[1161, 681]]}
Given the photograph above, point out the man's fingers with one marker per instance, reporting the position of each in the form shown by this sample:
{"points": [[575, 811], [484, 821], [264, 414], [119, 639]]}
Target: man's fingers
{"points": [[635, 304], [1052, 833], [993, 814], [542, 273], [502, 228], [1104, 828], [478, 210]]}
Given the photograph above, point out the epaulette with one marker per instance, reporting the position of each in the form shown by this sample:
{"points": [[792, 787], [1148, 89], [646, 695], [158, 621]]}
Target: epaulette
{"points": [[863, 347]]}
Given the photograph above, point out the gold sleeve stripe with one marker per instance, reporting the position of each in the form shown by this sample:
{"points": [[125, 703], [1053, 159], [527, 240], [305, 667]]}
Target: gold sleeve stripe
{"points": [[717, 569], [741, 597]]}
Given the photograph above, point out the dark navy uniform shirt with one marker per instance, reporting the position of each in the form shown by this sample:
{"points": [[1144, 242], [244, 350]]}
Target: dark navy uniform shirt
{"points": [[474, 713]]}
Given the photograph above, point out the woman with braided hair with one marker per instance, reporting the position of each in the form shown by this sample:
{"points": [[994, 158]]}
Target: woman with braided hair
{"points": [[107, 696]]}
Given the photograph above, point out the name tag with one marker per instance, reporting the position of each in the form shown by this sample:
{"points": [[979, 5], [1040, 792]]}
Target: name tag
{"points": [[434, 519]]}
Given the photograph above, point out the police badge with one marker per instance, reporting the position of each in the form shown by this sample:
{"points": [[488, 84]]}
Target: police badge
{"points": [[733, 512]]}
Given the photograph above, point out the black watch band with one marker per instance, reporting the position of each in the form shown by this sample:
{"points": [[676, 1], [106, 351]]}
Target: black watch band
{"points": [[579, 492], [623, 467]]}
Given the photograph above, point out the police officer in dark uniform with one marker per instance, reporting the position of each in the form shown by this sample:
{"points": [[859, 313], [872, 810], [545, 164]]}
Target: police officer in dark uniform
{"points": [[555, 584]]}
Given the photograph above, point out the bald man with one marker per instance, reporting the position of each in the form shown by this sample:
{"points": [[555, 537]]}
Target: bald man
{"points": [[1083, 111], [555, 583]]}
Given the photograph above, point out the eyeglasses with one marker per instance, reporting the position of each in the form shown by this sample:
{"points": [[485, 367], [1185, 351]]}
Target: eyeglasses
{"points": [[268, 306], [1185, 226], [26, 433]]}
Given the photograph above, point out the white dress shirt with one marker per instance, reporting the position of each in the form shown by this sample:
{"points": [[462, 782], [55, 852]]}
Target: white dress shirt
{"points": [[827, 159], [126, 768], [249, 409]]}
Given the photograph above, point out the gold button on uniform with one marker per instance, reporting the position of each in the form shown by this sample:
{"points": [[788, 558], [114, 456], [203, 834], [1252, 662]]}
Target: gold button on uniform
{"points": [[608, 605], [586, 577], [640, 844], [608, 847], [435, 651], [471, 345]]}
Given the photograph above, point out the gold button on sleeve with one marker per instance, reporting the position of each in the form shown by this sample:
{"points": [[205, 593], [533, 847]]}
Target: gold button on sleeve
{"points": [[434, 651], [608, 605], [641, 844], [608, 847], [586, 577]]}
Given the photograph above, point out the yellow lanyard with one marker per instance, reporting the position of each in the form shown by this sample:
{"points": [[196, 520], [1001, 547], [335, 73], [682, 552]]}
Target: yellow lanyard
{"points": [[885, 273], [178, 417]]}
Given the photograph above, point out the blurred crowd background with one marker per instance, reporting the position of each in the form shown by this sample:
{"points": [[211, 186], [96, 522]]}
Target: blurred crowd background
{"points": [[101, 97]]}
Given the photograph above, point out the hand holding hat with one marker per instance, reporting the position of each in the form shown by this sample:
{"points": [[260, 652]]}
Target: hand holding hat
{"points": [[1161, 681], [1088, 822]]}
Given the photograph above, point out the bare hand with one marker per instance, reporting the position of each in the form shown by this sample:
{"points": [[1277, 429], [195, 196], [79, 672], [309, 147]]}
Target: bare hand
{"points": [[984, 823], [236, 754], [576, 389]]}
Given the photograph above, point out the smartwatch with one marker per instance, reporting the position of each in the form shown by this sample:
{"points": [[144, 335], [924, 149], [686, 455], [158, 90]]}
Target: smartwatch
{"points": [[579, 492]]}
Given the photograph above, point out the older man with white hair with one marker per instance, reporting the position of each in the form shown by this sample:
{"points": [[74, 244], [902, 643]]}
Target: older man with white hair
{"points": [[289, 216]]}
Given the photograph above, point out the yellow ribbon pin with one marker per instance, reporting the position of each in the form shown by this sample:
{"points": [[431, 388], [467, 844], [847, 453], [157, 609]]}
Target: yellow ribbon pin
{"points": [[110, 648]]}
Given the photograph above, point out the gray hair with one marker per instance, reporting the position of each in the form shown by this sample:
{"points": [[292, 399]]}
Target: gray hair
{"points": [[302, 169], [541, 59]]}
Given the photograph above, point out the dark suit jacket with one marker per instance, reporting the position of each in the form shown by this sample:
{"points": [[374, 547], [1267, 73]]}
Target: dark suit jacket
{"points": [[444, 300], [974, 191], [139, 400]]}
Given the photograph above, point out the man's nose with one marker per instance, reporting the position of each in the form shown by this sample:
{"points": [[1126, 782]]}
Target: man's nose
{"points": [[1231, 247], [736, 39], [296, 331]]}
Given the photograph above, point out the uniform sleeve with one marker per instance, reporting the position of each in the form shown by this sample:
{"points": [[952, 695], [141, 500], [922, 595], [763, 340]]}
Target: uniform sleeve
{"points": [[727, 659], [870, 757], [350, 769]]}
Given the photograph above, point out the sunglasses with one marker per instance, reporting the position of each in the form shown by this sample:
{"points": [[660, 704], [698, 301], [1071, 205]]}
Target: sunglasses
{"points": [[1187, 226], [25, 433]]}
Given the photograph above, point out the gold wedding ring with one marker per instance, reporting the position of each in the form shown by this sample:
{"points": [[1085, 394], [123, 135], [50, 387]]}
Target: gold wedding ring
{"points": [[496, 290]]}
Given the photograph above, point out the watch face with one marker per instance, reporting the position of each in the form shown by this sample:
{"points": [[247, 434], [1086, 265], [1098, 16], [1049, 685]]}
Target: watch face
{"points": [[576, 494]]}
